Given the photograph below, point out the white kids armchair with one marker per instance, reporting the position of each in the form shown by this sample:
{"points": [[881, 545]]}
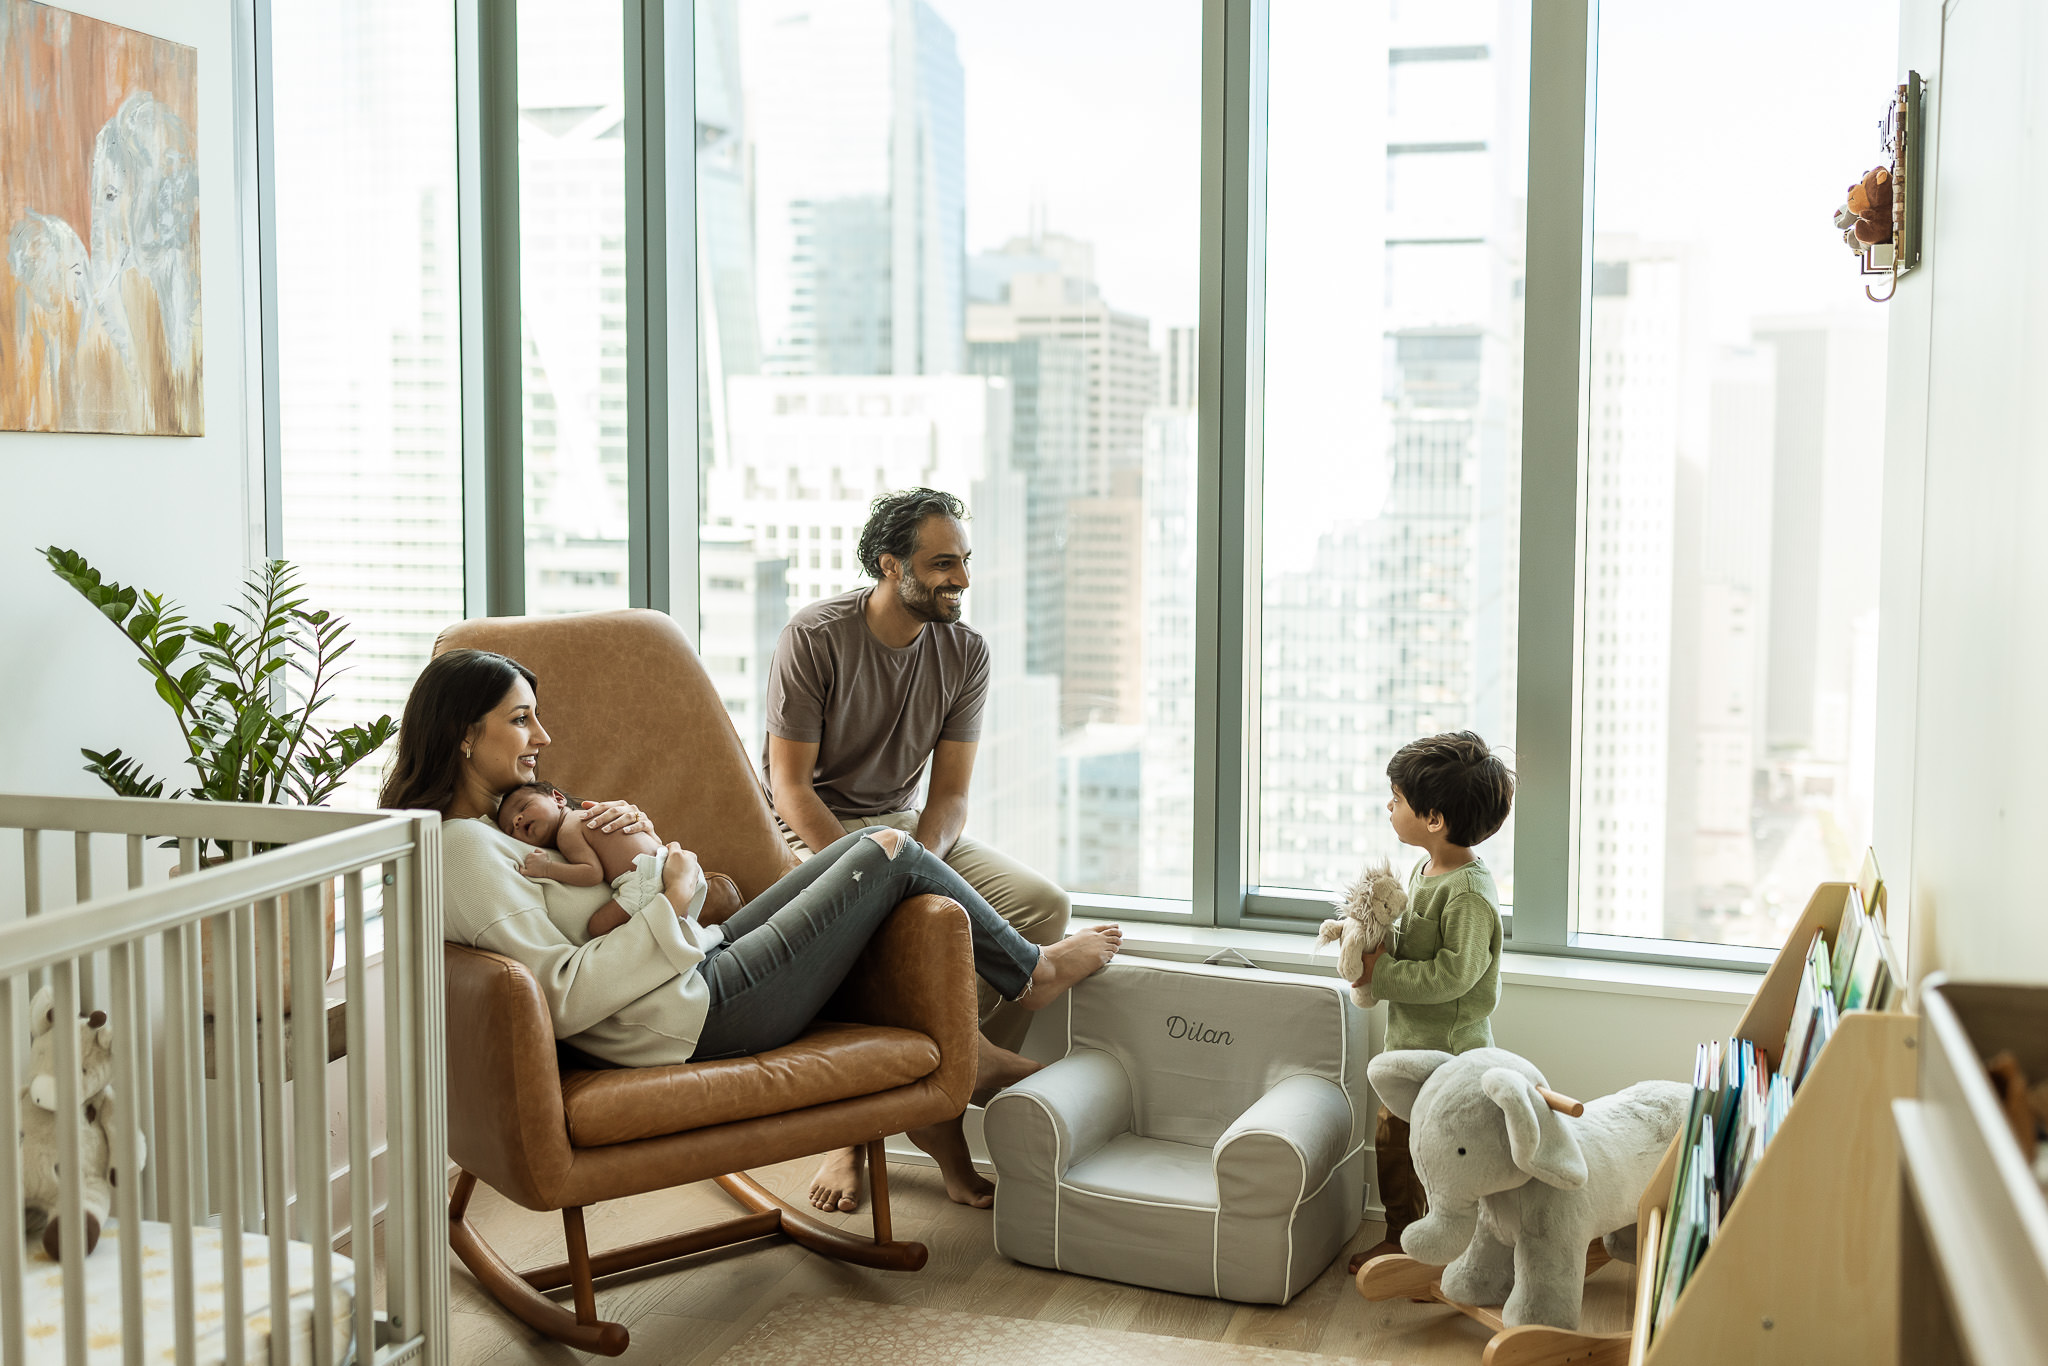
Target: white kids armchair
{"points": [[1204, 1133]]}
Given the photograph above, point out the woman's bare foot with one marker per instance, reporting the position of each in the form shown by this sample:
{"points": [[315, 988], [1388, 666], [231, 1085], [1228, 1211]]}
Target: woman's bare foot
{"points": [[1079, 956], [996, 1068], [836, 1186], [946, 1142]]}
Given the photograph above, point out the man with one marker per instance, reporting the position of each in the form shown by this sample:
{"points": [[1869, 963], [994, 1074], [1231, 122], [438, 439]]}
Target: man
{"points": [[869, 687]]}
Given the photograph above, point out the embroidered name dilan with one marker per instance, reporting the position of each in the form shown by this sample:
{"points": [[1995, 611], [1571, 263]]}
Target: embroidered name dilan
{"points": [[1195, 1031]]}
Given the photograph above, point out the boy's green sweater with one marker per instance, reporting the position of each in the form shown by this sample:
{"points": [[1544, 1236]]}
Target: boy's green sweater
{"points": [[1441, 980]]}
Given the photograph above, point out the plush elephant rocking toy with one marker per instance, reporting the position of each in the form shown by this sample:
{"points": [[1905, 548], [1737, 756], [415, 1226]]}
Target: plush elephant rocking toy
{"points": [[1520, 1181]]}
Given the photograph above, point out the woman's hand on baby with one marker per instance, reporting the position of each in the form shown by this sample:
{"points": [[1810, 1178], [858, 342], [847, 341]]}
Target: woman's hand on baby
{"points": [[608, 817], [538, 866]]}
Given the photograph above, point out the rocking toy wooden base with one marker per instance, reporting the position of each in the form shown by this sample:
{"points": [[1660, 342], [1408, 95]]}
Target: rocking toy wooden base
{"points": [[1398, 1276], [524, 1292]]}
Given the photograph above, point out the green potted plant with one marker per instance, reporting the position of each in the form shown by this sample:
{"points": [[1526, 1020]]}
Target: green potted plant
{"points": [[245, 694]]}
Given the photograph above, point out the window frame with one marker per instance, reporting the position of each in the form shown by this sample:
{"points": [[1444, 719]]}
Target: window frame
{"points": [[664, 551]]}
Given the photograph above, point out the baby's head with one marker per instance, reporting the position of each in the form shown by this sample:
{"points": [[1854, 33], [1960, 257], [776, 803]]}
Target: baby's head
{"points": [[532, 813]]}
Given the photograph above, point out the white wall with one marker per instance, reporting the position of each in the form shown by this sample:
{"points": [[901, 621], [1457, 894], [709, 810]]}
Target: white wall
{"points": [[1963, 710], [170, 514]]}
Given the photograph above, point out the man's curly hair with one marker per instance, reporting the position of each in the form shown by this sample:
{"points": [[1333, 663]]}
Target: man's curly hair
{"points": [[893, 520]]}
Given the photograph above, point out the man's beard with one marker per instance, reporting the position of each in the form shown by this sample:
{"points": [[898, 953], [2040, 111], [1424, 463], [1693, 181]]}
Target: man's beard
{"points": [[924, 603]]}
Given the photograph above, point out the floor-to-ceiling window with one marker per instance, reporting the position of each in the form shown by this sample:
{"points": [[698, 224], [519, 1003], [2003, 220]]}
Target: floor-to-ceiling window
{"points": [[1734, 429], [1390, 498], [572, 297], [368, 337], [955, 244]]}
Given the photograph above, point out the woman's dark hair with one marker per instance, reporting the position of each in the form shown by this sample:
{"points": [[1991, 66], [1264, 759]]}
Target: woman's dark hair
{"points": [[893, 520], [1457, 777], [454, 692]]}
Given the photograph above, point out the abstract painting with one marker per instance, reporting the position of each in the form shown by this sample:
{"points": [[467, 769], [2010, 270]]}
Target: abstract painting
{"points": [[99, 206]]}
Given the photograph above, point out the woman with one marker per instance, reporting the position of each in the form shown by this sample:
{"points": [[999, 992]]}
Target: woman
{"points": [[663, 988]]}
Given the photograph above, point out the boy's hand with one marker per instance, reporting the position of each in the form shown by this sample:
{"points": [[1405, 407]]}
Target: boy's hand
{"points": [[1372, 958], [538, 866]]}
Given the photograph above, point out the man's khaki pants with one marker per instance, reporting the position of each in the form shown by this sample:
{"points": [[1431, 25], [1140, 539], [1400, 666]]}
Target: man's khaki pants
{"points": [[1033, 906]]}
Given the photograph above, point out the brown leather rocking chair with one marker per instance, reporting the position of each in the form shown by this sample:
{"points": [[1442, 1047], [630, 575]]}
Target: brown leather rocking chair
{"points": [[633, 715]]}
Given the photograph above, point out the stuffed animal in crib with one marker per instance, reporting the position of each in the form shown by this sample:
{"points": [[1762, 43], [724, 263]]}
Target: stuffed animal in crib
{"points": [[40, 1131], [1521, 1179], [1365, 913]]}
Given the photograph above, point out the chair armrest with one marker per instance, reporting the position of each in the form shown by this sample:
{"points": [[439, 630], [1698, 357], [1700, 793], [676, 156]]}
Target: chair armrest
{"points": [[1055, 1117], [506, 1124], [917, 972], [1280, 1149]]}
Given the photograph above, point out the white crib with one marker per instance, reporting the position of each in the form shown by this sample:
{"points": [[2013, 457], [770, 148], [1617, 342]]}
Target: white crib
{"points": [[231, 1217]]}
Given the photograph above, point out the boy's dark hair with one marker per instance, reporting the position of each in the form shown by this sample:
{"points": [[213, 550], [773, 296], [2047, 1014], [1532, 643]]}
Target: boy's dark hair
{"points": [[893, 520], [1457, 777]]}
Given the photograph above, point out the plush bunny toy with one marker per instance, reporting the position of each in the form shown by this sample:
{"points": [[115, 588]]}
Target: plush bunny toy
{"points": [[40, 1124], [1366, 912]]}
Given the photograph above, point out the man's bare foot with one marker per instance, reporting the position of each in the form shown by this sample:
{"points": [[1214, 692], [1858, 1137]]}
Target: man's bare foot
{"points": [[946, 1142], [836, 1186], [996, 1068], [1079, 956]]}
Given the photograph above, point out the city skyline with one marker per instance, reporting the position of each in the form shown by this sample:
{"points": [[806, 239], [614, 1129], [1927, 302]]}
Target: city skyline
{"points": [[889, 332]]}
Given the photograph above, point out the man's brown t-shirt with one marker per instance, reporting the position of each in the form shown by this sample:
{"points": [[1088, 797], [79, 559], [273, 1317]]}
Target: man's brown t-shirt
{"points": [[875, 713]]}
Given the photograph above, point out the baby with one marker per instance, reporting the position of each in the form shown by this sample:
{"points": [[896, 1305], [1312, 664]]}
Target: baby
{"points": [[536, 814]]}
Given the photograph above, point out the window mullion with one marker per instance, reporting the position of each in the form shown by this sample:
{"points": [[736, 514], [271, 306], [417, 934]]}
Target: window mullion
{"points": [[1561, 104], [1233, 210], [487, 194]]}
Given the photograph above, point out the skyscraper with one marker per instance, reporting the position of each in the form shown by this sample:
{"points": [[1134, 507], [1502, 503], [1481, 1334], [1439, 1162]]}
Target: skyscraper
{"points": [[1632, 460], [856, 113]]}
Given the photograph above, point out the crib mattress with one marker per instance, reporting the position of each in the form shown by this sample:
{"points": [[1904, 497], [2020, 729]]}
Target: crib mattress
{"points": [[43, 1299]]}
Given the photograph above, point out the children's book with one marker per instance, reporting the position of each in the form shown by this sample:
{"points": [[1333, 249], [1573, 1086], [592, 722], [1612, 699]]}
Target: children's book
{"points": [[1888, 989], [1870, 886], [1804, 1007], [1688, 1136], [1847, 936]]}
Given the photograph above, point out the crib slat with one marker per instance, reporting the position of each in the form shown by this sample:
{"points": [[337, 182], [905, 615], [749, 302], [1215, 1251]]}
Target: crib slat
{"points": [[243, 946], [195, 1064], [227, 1131], [88, 982], [32, 889], [176, 1161], [362, 1232], [426, 1105], [13, 1343], [131, 1043], [270, 1055], [401, 1210], [70, 1155], [309, 1098]]}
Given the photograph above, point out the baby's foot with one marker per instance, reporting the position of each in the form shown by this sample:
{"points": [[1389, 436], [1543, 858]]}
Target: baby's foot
{"points": [[836, 1186], [1079, 956]]}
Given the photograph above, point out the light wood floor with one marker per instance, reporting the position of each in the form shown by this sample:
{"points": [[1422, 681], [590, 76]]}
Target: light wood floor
{"points": [[691, 1311]]}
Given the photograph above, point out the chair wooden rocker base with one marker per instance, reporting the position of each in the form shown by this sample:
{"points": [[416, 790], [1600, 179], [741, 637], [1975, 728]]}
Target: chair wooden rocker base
{"points": [[1398, 1276], [525, 1293]]}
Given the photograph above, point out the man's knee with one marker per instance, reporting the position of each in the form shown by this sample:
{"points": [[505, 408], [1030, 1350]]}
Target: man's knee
{"points": [[1041, 912]]}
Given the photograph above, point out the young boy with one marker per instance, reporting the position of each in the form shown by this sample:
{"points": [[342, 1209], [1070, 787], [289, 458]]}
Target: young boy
{"points": [[1440, 974]]}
